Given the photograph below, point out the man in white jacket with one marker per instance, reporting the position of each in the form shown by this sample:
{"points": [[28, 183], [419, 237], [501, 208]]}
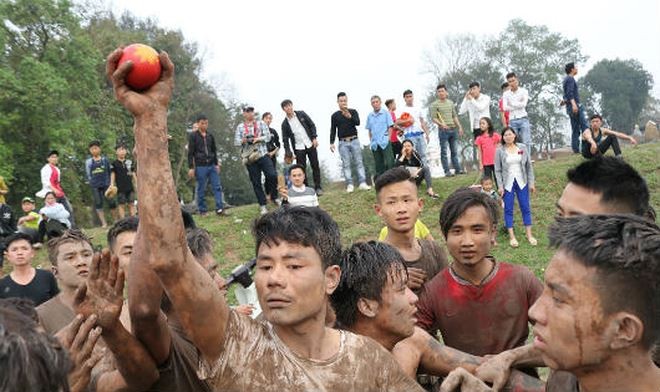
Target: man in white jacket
{"points": [[477, 105], [51, 182]]}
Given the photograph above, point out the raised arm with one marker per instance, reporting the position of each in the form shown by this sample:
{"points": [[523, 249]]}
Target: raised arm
{"points": [[200, 306]]}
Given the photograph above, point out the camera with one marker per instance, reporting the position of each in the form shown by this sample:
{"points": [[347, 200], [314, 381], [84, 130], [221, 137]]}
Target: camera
{"points": [[249, 139], [241, 274]]}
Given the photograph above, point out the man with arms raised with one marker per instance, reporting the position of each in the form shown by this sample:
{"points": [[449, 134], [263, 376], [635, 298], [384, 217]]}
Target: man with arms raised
{"points": [[293, 350]]}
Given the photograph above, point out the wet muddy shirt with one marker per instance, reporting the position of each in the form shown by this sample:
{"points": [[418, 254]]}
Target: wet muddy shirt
{"points": [[432, 261], [255, 359], [484, 319]]}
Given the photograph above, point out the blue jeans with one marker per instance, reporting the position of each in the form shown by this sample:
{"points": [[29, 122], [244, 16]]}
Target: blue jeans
{"points": [[522, 128], [203, 174], [523, 202], [449, 136], [351, 151], [265, 165], [578, 125]]}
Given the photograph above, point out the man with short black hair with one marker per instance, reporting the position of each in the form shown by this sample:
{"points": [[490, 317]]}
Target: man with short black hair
{"points": [[379, 124], [443, 114], [412, 121], [299, 137], [253, 136], [97, 168], [274, 145], [597, 139], [515, 101], [120, 239], [574, 109], [204, 166], [298, 194], [25, 281], [477, 105], [343, 125]]}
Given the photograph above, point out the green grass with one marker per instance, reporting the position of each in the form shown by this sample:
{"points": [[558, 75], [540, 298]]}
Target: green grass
{"points": [[356, 218]]}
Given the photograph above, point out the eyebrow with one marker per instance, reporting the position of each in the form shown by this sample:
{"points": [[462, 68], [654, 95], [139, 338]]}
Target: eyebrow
{"points": [[559, 288]]}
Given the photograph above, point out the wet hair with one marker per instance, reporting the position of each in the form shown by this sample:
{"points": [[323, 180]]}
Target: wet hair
{"points": [[625, 250], [128, 224], [511, 75], [266, 114], [31, 360], [491, 129], [72, 235], [441, 86], [305, 226], [504, 85], [341, 94], [17, 237], [516, 140], [596, 115], [24, 306], [296, 166], [407, 92], [366, 268], [388, 102], [618, 183], [286, 102], [474, 84], [201, 117], [569, 67], [459, 201], [393, 176], [200, 242]]}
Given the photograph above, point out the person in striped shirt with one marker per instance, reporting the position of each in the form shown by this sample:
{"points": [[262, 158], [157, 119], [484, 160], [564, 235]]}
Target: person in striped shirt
{"points": [[298, 194]]}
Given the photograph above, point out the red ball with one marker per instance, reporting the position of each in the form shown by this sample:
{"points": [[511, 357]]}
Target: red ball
{"points": [[407, 119], [146, 66]]}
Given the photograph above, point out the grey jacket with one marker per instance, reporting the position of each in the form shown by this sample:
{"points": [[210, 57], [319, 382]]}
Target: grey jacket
{"points": [[502, 167]]}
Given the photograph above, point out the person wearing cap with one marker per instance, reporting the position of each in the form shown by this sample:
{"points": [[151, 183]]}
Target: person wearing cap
{"points": [[121, 177], [29, 223], [203, 165], [97, 168], [252, 136], [51, 182]]}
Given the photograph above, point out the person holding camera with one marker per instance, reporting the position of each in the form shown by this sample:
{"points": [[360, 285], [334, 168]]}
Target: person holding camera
{"points": [[252, 136]]}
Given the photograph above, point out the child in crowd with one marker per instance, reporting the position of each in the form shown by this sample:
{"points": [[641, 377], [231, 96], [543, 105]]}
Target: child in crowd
{"points": [[29, 223], [487, 144]]}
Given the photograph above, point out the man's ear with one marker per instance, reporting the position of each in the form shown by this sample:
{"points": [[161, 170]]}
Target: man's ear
{"points": [[627, 330], [377, 208], [368, 307], [332, 276], [420, 202], [53, 269], [493, 235]]}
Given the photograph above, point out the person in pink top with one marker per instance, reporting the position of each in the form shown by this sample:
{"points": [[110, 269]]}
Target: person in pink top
{"points": [[487, 144]]}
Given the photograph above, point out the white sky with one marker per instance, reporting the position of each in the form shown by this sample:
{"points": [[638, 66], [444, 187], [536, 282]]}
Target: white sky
{"points": [[265, 51]]}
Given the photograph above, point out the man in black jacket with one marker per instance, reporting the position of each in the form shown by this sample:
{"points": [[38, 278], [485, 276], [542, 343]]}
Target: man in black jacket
{"points": [[299, 135], [7, 228], [203, 165]]}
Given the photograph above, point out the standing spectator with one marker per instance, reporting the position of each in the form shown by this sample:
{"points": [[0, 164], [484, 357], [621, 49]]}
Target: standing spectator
{"points": [[7, 227], [504, 114], [414, 125], [203, 165], [299, 138], [443, 113], [51, 181], [597, 140], [515, 102], [29, 223], [273, 146], [418, 171], [123, 172], [252, 136], [55, 218], [574, 109], [515, 178], [298, 194], [379, 123], [25, 281], [487, 144], [3, 190], [477, 106], [343, 125], [395, 130], [97, 168]]}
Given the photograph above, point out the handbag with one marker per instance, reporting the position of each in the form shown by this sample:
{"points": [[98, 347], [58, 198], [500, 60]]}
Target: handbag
{"points": [[250, 154]]}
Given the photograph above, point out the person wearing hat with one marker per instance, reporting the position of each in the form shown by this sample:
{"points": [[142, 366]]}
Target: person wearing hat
{"points": [[51, 182], [97, 168], [252, 136], [29, 223]]}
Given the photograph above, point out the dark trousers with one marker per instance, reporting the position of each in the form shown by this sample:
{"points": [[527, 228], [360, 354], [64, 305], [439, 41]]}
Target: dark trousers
{"points": [[383, 159], [301, 159], [603, 146], [263, 165], [476, 132], [396, 148], [51, 228], [578, 125]]}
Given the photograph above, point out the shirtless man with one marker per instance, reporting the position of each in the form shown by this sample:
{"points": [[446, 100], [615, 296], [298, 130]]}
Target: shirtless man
{"points": [[296, 248]]}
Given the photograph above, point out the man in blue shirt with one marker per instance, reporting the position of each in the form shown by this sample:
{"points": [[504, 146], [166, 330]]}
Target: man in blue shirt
{"points": [[574, 110], [378, 123]]}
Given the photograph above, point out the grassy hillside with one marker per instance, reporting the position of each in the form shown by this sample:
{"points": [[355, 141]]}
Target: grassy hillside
{"points": [[357, 220]]}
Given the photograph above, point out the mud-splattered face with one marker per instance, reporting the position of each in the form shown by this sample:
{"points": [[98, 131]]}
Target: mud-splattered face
{"points": [[570, 329], [470, 238], [291, 283], [397, 308]]}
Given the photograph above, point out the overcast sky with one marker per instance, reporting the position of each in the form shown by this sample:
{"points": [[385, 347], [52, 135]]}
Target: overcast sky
{"points": [[261, 52]]}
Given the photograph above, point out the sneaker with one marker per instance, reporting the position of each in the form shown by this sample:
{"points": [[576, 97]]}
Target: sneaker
{"points": [[363, 186], [278, 202], [450, 174], [349, 188], [37, 245], [222, 212], [319, 192], [263, 210]]}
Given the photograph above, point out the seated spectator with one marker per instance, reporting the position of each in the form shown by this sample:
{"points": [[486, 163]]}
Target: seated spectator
{"points": [[7, 227], [410, 159], [298, 194], [25, 281], [29, 223], [55, 218], [597, 140]]}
